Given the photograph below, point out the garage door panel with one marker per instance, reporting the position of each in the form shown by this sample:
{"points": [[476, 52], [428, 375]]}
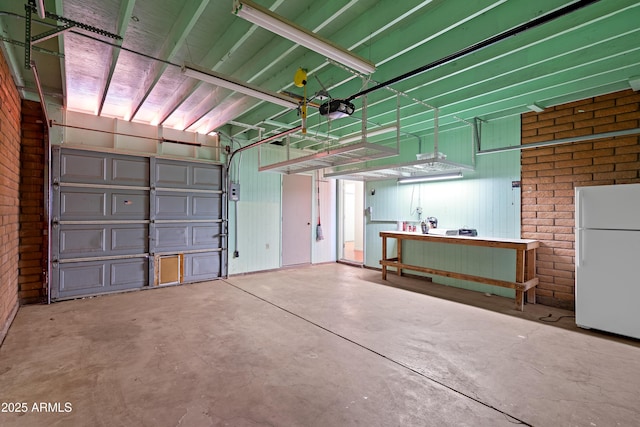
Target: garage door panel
{"points": [[196, 176], [129, 205], [132, 239], [78, 204], [76, 277], [206, 177], [96, 277], [82, 241], [97, 204], [112, 212], [202, 266], [130, 171], [129, 274], [77, 166], [171, 238], [172, 206], [206, 236], [184, 237], [83, 167], [206, 206], [194, 206], [171, 174]]}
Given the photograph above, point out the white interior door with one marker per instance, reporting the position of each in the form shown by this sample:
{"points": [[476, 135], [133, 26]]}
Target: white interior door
{"points": [[297, 223]]}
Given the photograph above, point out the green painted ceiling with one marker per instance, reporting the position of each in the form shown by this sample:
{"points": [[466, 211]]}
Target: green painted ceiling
{"points": [[590, 51]]}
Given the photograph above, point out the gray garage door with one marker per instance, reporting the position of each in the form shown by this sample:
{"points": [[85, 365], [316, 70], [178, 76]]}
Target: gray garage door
{"points": [[123, 222]]}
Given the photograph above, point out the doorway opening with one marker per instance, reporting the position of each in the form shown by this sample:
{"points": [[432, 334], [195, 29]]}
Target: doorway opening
{"points": [[351, 231]]}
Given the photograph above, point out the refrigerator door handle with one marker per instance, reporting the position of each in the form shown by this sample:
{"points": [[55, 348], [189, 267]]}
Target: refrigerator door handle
{"points": [[578, 222], [578, 202], [579, 248]]}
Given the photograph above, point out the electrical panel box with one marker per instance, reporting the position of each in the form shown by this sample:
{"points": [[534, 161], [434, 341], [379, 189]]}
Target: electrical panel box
{"points": [[234, 191]]}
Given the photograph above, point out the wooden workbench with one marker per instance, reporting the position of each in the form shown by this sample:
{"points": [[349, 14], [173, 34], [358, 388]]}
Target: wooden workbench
{"points": [[525, 280]]}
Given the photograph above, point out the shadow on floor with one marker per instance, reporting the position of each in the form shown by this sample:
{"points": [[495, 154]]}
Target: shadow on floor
{"points": [[553, 316]]}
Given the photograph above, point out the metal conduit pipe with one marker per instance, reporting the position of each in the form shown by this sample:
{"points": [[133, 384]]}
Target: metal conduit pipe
{"points": [[562, 141], [48, 196], [263, 141], [229, 161], [228, 179], [48, 179], [481, 45], [42, 101], [116, 45], [397, 92], [109, 132]]}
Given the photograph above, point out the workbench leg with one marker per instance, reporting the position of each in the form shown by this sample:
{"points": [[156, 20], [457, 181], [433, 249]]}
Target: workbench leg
{"points": [[520, 275], [519, 300], [530, 273], [399, 244], [520, 266], [384, 257], [531, 296]]}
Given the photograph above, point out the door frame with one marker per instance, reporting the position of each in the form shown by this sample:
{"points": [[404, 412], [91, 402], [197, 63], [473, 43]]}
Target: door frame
{"points": [[341, 222]]}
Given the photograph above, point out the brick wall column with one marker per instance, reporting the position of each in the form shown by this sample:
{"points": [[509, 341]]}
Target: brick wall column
{"points": [[33, 243], [550, 175], [9, 196]]}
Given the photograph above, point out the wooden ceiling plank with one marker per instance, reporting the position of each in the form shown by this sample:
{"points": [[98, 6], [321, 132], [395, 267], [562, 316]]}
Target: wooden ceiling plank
{"points": [[604, 39], [124, 17], [184, 23]]}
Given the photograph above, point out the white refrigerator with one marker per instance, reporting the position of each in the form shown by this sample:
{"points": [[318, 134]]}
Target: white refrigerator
{"points": [[608, 258]]}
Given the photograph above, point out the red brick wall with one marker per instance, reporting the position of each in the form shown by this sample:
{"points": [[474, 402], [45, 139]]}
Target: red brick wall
{"points": [[550, 175], [32, 264], [9, 196]]}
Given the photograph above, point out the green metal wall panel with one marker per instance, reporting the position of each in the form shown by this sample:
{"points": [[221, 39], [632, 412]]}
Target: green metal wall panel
{"points": [[258, 218], [484, 199]]}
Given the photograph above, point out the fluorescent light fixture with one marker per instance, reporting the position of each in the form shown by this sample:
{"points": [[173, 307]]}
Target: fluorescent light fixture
{"points": [[287, 126], [42, 13], [535, 107], [634, 82], [375, 132], [209, 76], [415, 179], [268, 20]]}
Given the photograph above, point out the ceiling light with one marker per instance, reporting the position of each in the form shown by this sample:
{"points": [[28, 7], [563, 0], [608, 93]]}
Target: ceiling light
{"points": [[634, 82], [268, 20], [426, 178], [42, 13], [535, 107], [287, 126], [209, 76], [375, 132]]}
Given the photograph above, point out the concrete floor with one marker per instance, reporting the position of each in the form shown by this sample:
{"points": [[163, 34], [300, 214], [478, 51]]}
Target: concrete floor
{"points": [[328, 345]]}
